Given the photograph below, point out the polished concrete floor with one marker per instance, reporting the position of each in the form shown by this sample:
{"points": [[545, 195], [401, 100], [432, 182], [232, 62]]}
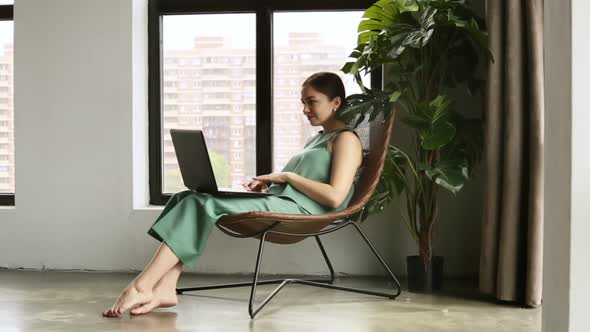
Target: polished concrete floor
{"points": [[73, 301]]}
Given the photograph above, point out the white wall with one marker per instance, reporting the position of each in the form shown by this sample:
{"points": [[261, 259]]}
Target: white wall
{"points": [[567, 212], [81, 160], [580, 191]]}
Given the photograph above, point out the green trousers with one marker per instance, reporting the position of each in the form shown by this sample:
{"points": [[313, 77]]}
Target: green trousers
{"points": [[188, 219]]}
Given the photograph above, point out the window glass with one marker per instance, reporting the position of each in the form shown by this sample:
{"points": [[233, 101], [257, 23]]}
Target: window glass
{"points": [[7, 180], [209, 66]]}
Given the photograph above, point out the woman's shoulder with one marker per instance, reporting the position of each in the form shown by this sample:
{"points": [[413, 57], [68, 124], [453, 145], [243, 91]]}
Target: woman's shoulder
{"points": [[346, 136], [345, 133]]}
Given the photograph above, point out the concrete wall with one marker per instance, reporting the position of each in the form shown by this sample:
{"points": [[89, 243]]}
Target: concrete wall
{"points": [[557, 57], [81, 161]]}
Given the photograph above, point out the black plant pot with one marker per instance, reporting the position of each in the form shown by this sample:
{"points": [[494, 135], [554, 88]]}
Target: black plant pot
{"points": [[424, 280]]}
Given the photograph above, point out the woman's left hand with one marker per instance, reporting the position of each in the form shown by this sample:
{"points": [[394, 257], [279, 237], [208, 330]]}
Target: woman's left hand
{"points": [[280, 177]]}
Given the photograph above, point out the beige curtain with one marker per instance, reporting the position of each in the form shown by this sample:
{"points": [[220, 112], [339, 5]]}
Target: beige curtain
{"points": [[512, 227]]}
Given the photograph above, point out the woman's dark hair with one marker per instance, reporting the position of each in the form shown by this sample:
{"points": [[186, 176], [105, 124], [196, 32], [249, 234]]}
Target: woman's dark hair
{"points": [[327, 83]]}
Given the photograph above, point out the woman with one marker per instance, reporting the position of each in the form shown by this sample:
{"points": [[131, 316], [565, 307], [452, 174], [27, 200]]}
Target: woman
{"points": [[320, 179]]}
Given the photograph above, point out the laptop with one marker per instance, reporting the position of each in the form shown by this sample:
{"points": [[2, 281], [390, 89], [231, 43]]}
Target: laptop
{"points": [[195, 165]]}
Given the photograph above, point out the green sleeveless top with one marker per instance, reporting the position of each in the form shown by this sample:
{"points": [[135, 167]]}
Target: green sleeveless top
{"points": [[314, 163]]}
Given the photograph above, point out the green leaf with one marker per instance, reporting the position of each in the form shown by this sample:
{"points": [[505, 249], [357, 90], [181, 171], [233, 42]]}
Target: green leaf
{"points": [[441, 108], [480, 38], [374, 12], [357, 106], [415, 121], [346, 68], [354, 69], [375, 19], [437, 136], [371, 25], [449, 174], [422, 166], [380, 16], [407, 6], [468, 142], [395, 96]]}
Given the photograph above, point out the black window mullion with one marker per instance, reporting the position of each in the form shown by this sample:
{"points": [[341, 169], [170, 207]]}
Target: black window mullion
{"points": [[6, 199], [155, 104], [264, 91], [377, 78], [185, 6], [7, 14]]}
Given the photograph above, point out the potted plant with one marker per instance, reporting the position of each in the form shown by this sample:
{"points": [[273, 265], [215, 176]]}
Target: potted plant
{"points": [[427, 47]]}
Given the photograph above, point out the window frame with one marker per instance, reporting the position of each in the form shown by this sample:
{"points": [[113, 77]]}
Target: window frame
{"points": [[263, 9], [7, 14]]}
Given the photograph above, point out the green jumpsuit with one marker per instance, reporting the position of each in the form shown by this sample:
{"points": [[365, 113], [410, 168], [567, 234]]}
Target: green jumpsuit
{"points": [[188, 217]]}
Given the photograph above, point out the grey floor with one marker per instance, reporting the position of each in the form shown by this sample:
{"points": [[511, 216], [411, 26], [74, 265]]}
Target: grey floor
{"points": [[73, 301]]}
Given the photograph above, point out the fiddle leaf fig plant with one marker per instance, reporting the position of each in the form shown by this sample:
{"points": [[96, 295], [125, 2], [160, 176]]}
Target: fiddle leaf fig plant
{"points": [[427, 48]]}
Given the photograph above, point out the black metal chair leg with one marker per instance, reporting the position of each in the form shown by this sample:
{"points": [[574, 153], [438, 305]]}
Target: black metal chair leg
{"points": [[252, 310], [317, 238], [264, 282], [392, 276]]}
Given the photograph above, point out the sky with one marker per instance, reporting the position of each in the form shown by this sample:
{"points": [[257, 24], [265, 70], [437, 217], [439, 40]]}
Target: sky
{"points": [[335, 28], [338, 28], [6, 28], [6, 32]]}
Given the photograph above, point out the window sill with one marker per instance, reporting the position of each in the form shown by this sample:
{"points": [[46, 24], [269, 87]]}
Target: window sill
{"points": [[149, 208]]}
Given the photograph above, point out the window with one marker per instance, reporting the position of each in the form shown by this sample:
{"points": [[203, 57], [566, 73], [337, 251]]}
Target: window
{"points": [[7, 180], [189, 41], [234, 56]]}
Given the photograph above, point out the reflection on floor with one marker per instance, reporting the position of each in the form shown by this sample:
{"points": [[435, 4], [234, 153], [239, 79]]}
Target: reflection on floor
{"points": [[73, 301]]}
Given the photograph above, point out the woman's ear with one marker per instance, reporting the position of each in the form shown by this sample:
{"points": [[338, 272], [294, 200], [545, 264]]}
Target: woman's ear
{"points": [[337, 102]]}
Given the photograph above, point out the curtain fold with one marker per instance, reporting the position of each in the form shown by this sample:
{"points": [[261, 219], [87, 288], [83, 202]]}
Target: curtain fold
{"points": [[512, 225]]}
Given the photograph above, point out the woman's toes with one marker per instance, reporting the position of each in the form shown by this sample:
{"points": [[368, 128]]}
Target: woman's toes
{"points": [[108, 312], [133, 299]]}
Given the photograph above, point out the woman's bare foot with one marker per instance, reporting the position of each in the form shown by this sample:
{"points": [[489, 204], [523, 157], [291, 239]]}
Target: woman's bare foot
{"points": [[163, 298], [130, 298]]}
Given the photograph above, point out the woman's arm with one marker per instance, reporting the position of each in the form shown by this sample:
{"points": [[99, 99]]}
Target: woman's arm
{"points": [[346, 159]]}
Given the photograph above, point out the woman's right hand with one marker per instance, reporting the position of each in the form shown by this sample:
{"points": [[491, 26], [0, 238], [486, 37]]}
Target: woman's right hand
{"points": [[255, 185]]}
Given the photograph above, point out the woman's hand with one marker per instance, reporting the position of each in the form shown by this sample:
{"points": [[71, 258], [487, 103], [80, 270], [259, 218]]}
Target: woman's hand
{"points": [[255, 185], [280, 177]]}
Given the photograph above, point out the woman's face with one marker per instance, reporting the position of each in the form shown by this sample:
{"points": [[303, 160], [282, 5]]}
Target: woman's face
{"points": [[317, 107]]}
